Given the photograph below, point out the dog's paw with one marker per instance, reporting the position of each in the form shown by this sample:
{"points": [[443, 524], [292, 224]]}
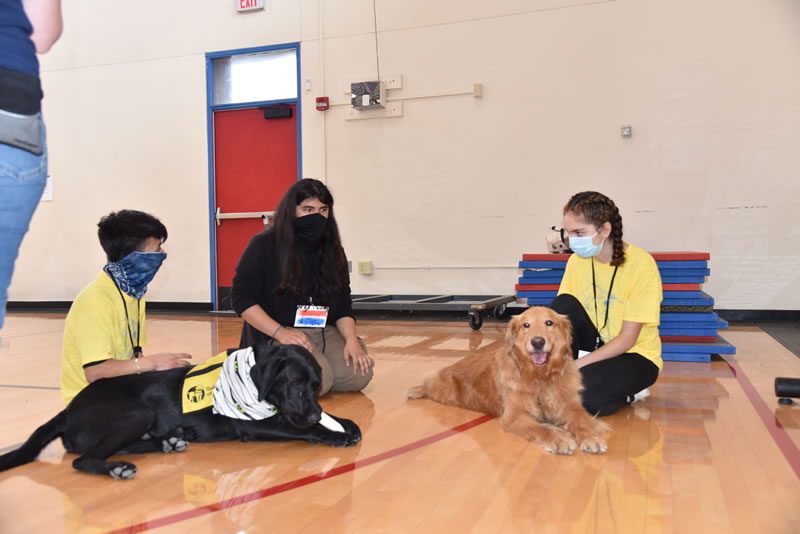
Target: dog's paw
{"points": [[594, 445], [174, 444], [417, 392], [338, 439], [348, 438], [560, 445], [122, 470], [352, 430]]}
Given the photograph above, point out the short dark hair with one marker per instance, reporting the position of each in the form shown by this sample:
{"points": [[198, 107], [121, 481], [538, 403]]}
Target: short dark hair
{"points": [[122, 232]]}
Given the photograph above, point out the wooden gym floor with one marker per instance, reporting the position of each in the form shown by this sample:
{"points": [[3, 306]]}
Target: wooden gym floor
{"points": [[710, 451]]}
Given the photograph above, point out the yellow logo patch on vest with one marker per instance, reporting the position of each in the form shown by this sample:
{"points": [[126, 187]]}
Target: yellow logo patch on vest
{"points": [[198, 384]]}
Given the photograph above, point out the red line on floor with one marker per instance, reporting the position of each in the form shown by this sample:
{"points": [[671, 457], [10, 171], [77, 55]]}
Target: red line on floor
{"points": [[774, 427], [300, 482]]}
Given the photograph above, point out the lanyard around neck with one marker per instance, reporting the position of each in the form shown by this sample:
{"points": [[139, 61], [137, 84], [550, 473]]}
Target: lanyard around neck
{"points": [[608, 302], [137, 350]]}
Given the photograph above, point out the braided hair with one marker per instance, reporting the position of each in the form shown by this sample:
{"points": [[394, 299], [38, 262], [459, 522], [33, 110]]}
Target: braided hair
{"points": [[597, 209]]}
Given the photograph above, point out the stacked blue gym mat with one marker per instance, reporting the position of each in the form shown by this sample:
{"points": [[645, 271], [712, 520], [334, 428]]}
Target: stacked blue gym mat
{"points": [[688, 326]]}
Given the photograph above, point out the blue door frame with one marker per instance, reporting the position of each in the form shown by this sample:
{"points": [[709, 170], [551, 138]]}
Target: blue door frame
{"points": [[210, 109]]}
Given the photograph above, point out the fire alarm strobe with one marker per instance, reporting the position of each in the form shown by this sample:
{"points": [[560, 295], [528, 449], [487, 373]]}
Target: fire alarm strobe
{"points": [[322, 103]]}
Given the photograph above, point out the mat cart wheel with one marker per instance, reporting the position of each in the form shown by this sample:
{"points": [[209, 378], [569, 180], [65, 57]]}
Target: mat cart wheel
{"points": [[500, 312], [475, 320]]}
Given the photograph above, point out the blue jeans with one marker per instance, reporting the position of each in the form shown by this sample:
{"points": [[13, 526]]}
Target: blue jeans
{"points": [[22, 179]]}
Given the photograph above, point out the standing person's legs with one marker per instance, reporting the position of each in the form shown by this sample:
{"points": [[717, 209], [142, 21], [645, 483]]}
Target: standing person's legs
{"points": [[608, 384], [584, 333], [331, 348], [22, 179]]}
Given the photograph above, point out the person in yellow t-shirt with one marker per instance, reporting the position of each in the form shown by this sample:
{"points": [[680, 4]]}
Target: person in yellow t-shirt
{"points": [[611, 292], [105, 327]]}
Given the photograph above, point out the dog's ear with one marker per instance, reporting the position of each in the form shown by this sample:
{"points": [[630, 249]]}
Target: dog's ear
{"points": [[268, 360], [565, 327], [511, 331]]}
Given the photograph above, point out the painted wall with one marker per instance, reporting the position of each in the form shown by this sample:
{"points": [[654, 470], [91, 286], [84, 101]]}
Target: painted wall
{"points": [[446, 198], [125, 108]]}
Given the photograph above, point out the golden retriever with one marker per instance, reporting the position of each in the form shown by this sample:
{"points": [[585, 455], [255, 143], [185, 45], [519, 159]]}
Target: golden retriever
{"points": [[532, 385]]}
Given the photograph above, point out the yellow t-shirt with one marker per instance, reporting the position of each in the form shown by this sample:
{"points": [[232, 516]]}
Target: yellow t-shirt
{"points": [[636, 297], [96, 330]]}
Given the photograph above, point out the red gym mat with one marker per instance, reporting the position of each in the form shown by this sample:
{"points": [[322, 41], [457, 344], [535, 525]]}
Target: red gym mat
{"points": [[537, 287], [681, 287], [680, 256], [688, 339]]}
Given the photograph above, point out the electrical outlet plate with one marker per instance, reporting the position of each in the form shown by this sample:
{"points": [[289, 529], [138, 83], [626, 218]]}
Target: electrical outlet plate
{"points": [[393, 81], [365, 267]]}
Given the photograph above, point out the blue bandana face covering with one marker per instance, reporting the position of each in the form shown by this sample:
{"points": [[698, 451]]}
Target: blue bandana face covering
{"points": [[583, 246], [133, 272]]}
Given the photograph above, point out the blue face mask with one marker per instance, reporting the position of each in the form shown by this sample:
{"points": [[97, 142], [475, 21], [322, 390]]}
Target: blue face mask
{"points": [[583, 246], [133, 272]]}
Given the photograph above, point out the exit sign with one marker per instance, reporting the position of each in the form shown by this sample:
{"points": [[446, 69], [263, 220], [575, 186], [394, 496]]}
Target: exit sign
{"points": [[249, 5]]}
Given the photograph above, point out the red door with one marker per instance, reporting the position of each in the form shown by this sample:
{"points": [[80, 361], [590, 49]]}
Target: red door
{"points": [[255, 162]]}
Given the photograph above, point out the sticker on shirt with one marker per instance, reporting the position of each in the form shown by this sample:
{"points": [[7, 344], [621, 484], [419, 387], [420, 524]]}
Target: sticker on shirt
{"points": [[311, 317]]}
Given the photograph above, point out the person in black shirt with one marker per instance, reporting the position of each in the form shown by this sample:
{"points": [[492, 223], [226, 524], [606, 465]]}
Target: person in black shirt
{"points": [[292, 287]]}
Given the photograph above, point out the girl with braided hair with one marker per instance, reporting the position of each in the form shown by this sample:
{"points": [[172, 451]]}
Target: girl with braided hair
{"points": [[611, 292]]}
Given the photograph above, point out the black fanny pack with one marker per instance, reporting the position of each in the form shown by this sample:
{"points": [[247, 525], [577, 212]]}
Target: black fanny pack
{"points": [[20, 111]]}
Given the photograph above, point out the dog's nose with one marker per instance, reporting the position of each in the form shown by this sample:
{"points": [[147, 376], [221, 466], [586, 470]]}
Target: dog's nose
{"points": [[538, 343], [314, 418]]}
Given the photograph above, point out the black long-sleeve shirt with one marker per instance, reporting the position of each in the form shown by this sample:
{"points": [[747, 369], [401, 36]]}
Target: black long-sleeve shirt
{"points": [[257, 278]]}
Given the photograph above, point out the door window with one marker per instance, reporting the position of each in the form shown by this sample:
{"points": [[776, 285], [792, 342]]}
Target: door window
{"points": [[256, 77]]}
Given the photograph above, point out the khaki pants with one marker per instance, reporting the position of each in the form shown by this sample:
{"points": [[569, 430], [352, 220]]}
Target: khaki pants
{"points": [[336, 376]]}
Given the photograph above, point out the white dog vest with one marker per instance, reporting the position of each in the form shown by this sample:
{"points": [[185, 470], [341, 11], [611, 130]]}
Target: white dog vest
{"points": [[235, 394]]}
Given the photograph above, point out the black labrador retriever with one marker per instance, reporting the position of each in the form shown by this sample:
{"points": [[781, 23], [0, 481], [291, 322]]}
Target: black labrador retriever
{"points": [[143, 413]]}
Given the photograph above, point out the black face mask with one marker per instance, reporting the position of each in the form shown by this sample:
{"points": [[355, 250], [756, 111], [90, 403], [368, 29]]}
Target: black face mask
{"points": [[310, 228]]}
